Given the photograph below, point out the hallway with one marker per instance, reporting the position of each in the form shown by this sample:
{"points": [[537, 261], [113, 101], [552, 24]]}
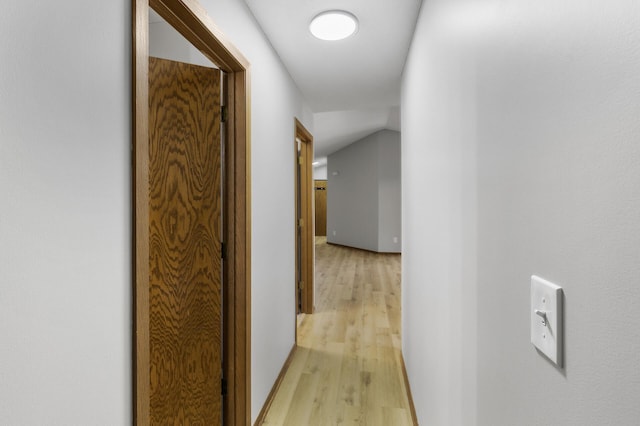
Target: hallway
{"points": [[347, 368]]}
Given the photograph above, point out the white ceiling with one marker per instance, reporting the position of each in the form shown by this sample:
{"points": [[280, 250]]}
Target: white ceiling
{"points": [[352, 85]]}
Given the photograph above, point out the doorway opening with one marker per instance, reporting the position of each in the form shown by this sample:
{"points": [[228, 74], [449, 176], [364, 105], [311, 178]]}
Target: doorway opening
{"points": [[193, 23], [304, 288]]}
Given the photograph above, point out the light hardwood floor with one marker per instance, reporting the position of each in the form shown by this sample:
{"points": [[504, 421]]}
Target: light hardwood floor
{"points": [[347, 369]]}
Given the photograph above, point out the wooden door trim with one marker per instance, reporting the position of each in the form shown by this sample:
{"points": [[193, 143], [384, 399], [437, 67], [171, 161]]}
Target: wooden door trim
{"points": [[306, 213], [192, 21]]}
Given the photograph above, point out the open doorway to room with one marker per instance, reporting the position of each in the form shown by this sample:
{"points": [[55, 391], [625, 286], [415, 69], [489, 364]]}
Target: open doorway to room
{"points": [[191, 187]]}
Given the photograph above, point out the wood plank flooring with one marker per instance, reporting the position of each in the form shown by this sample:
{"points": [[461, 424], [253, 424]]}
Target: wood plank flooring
{"points": [[347, 367]]}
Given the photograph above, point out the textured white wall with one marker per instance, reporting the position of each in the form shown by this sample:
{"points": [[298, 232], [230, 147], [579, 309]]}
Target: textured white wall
{"points": [[438, 204], [65, 233], [534, 105], [559, 196], [275, 101]]}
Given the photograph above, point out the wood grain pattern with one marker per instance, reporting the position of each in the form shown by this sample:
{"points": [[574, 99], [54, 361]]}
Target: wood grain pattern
{"points": [[320, 190], [347, 369], [184, 232]]}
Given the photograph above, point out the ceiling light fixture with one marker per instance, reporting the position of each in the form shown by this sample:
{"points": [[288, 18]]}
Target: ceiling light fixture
{"points": [[333, 25]]}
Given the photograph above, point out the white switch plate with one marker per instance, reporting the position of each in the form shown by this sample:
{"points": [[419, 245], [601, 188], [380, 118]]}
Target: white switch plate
{"points": [[546, 318]]}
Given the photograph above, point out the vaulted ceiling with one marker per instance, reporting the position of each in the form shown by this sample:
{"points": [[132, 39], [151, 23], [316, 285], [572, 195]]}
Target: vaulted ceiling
{"points": [[352, 85]]}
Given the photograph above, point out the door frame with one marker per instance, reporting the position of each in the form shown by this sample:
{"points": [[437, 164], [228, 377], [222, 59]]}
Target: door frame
{"points": [[305, 214], [191, 20]]}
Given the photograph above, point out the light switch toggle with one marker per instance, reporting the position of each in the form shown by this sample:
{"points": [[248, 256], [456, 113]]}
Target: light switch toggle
{"points": [[543, 315]]}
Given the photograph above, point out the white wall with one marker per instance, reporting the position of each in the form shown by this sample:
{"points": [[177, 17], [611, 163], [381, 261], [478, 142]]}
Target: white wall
{"points": [[167, 43], [65, 232], [438, 270], [275, 101], [364, 193], [535, 106], [559, 175]]}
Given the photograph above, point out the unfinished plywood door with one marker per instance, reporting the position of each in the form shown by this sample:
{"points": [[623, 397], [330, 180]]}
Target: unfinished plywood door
{"points": [[185, 249], [320, 190]]}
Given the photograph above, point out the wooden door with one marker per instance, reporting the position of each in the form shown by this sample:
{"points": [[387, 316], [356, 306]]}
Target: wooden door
{"points": [[320, 190], [184, 244]]}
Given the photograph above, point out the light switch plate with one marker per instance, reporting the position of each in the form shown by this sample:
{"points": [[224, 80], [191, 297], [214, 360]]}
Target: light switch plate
{"points": [[546, 319]]}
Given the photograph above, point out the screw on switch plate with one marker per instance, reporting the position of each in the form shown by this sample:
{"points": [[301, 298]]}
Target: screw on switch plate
{"points": [[546, 319]]}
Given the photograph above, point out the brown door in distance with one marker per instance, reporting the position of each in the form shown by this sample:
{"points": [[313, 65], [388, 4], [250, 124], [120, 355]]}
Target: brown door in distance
{"points": [[185, 249], [320, 189]]}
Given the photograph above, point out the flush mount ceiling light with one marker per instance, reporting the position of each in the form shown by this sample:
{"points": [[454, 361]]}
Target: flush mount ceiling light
{"points": [[333, 25]]}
